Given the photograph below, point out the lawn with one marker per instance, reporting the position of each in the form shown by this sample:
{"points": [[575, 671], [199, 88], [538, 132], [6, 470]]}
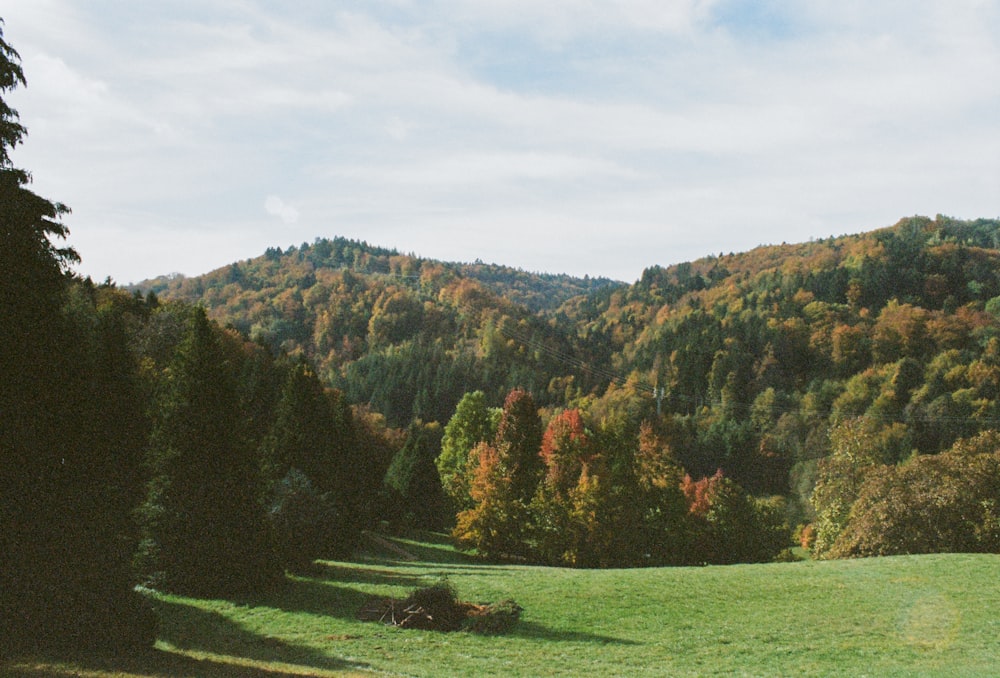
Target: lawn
{"points": [[903, 616]]}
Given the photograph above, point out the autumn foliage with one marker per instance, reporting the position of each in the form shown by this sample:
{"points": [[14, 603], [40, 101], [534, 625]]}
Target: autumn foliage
{"points": [[607, 498]]}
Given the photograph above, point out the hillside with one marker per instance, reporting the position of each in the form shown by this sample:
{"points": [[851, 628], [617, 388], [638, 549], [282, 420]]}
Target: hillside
{"points": [[408, 335], [758, 353]]}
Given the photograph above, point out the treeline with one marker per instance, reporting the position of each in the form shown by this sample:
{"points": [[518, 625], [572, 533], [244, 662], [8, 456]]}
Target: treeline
{"points": [[763, 354], [144, 444]]}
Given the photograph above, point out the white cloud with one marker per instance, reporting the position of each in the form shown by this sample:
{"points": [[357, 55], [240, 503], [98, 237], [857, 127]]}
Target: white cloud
{"points": [[277, 207]]}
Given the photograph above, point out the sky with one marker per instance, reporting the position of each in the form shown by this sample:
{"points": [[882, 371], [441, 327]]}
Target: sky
{"points": [[565, 136]]}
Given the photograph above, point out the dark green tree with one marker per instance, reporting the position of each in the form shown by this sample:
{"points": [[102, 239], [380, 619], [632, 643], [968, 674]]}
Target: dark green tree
{"points": [[314, 433], [519, 441], [70, 434], [413, 480], [205, 529], [304, 521]]}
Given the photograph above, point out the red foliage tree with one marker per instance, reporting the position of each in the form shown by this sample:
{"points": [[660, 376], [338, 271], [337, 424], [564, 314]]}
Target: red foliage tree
{"points": [[519, 438], [565, 450]]}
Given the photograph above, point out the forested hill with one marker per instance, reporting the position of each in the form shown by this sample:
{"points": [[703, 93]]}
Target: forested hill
{"points": [[756, 352], [277, 270], [408, 335]]}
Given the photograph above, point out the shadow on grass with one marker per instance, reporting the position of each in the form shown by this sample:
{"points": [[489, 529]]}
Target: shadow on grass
{"points": [[471, 566], [187, 627], [151, 664], [340, 574], [429, 547], [536, 631], [433, 547], [316, 596]]}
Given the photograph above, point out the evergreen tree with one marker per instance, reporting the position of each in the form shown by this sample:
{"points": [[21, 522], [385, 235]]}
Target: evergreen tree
{"points": [[205, 525], [519, 440], [304, 521], [314, 433], [69, 434], [413, 478]]}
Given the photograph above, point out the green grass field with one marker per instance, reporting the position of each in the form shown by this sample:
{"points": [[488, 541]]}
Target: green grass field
{"points": [[935, 615]]}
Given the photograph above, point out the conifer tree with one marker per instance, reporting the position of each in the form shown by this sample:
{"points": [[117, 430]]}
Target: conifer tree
{"points": [[314, 434], [205, 530], [413, 478], [69, 435], [519, 440]]}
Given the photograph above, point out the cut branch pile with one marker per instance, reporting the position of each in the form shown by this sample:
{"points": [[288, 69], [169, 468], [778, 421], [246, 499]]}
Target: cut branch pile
{"points": [[436, 609]]}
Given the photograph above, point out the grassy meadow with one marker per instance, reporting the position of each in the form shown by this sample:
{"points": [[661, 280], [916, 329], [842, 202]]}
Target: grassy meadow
{"points": [[936, 615]]}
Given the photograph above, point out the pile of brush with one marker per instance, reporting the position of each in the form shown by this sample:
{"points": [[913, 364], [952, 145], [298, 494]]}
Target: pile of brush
{"points": [[437, 608]]}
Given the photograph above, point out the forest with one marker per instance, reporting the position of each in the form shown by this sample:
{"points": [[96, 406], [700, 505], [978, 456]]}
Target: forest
{"points": [[206, 435], [786, 384]]}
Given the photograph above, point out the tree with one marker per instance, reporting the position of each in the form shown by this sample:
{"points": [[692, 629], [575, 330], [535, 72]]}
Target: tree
{"points": [[947, 502], [495, 526], [565, 450], [519, 438], [413, 478], [856, 452], [205, 524], [472, 423], [70, 433], [313, 434], [304, 521], [505, 478], [568, 499], [730, 526]]}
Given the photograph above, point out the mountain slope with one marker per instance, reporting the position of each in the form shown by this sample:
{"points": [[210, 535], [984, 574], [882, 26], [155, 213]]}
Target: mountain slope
{"points": [[758, 354]]}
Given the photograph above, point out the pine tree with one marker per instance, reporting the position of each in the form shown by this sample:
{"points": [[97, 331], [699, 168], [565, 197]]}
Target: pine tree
{"points": [[413, 478], [519, 439], [205, 529], [69, 434], [314, 434]]}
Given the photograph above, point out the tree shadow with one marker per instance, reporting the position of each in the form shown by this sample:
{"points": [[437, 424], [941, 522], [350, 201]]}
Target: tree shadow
{"points": [[150, 664], [187, 627], [535, 631], [433, 547], [431, 567], [341, 574], [329, 592]]}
